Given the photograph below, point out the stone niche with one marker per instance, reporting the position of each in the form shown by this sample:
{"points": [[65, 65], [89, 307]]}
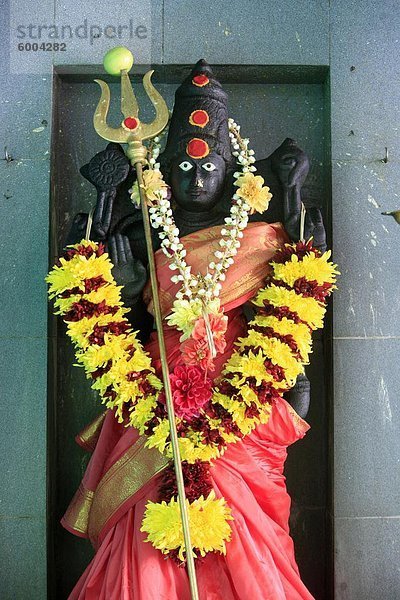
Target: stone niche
{"points": [[271, 103]]}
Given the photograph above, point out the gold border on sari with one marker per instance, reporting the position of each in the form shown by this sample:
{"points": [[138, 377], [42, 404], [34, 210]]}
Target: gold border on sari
{"points": [[122, 481], [77, 515], [300, 424], [89, 436]]}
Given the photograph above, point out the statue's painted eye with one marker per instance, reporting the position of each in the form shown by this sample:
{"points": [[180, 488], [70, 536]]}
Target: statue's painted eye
{"points": [[186, 165], [209, 166]]}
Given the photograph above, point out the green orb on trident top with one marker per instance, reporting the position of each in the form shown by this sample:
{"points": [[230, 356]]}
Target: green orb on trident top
{"points": [[118, 59], [132, 130]]}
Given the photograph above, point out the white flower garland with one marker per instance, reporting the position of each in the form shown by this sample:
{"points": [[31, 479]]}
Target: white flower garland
{"points": [[198, 296], [161, 217]]}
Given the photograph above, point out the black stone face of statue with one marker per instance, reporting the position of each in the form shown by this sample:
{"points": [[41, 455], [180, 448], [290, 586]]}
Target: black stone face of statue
{"points": [[197, 184]]}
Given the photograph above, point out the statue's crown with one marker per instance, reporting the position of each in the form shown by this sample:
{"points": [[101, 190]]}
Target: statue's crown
{"points": [[199, 122]]}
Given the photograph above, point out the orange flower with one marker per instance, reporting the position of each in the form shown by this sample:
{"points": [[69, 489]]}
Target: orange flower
{"points": [[197, 352], [218, 326]]}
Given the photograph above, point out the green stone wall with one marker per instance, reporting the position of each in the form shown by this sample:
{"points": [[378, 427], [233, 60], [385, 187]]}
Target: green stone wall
{"points": [[358, 42]]}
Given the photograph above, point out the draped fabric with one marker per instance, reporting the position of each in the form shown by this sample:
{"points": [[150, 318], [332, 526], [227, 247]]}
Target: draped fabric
{"points": [[123, 475]]}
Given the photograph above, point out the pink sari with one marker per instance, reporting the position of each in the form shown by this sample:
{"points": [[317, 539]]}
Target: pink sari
{"points": [[123, 475]]}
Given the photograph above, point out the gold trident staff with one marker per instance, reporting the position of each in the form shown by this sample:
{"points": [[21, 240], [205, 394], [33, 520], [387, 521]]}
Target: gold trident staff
{"points": [[133, 132]]}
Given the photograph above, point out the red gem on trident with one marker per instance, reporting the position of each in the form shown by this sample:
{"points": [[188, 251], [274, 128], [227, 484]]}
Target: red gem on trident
{"points": [[131, 123]]}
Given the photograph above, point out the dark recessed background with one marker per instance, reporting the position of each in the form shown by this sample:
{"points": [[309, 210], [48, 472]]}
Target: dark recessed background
{"points": [[270, 103]]}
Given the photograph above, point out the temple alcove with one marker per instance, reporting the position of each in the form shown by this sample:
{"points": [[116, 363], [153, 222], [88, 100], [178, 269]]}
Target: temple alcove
{"points": [[270, 104]]}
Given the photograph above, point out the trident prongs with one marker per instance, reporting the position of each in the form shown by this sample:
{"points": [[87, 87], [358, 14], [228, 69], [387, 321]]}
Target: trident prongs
{"points": [[111, 134], [134, 132], [162, 114], [129, 105]]}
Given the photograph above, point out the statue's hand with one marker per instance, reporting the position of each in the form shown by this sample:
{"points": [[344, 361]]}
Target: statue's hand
{"points": [[107, 170], [290, 163], [314, 227], [299, 396], [102, 214], [77, 230], [127, 271]]}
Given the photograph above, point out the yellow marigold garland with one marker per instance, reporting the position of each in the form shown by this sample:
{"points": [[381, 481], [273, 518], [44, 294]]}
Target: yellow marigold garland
{"points": [[265, 364], [209, 525], [90, 302]]}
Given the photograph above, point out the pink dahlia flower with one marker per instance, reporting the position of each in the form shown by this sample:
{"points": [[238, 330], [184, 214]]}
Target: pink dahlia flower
{"points": [[190, 390]]}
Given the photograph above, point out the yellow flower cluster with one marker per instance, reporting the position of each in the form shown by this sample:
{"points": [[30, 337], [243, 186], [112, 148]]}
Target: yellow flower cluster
{"points": [[307, 309], [209, 525], [237, 408], [118, 355], [153, 185], [268, 336], [276, 342], [191, 447], [299, 331], [254, 192], [72, 273], [185, 314], [311, 267]]}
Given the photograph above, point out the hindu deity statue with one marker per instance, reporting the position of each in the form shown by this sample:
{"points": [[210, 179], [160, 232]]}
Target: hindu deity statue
{"points": [[199, 164], [201, 189]]}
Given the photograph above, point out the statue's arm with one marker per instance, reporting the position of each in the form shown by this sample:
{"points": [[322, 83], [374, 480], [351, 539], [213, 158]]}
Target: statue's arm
{"points": [[107, 171], [130, 273], [291, 165]]}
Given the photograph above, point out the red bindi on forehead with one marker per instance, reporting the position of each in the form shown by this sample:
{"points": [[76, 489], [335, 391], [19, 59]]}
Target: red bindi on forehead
{"points": [[197, 148]]}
